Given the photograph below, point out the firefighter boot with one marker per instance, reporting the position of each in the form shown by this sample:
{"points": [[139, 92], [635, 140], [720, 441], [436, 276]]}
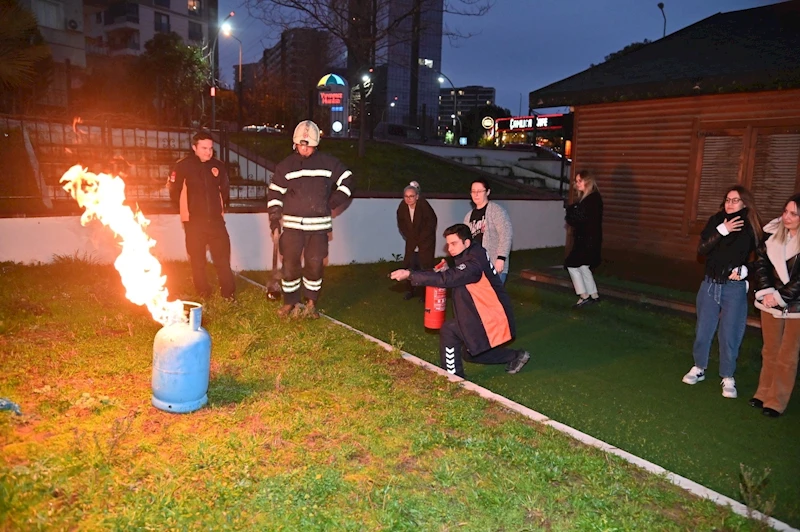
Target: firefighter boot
{"points": [[288, 311], [311, 311]]}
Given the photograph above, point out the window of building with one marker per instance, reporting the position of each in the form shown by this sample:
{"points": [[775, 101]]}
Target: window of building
{"points": [[194, 7], [766, 160], [49, 14], [426, 62], [133, 12], [161, 22], [195, 31], [161, 3]]}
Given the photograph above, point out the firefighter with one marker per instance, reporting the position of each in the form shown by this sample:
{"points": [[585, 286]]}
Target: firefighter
{"points": [[199, 183], [484, 321], [306, 186]]}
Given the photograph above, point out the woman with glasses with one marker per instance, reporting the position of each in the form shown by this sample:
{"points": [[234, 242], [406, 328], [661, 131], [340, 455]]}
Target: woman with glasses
{"points": [[777, 279], [490, 226], [585, 217], [417, 223], [727, 241]]}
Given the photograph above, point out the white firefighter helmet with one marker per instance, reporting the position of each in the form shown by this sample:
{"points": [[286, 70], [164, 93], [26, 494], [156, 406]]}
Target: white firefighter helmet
{"points": [[306, 132]]}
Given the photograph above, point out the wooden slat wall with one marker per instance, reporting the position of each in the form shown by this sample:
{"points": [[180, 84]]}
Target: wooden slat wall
{"points": [[642, 154]]}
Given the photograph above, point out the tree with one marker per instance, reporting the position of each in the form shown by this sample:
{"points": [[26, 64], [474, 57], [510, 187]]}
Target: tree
{"points": [[471, 122], [25, 61], [364, 27], [176, 75], [632, 47]]}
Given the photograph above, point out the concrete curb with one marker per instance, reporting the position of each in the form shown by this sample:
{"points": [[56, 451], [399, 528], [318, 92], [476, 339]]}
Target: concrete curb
{"points": [[682, 482]]}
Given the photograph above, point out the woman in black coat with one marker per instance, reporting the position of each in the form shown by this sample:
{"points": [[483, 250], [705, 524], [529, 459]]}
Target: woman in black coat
{"points": [[417, 223], [585, 216]]}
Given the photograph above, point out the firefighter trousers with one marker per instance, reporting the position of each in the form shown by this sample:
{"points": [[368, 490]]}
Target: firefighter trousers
{"points": [[304, 253], [453, 352], [211, 234]]}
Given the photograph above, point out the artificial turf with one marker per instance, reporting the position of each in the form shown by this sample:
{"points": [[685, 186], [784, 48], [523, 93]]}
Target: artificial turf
{"points": [[612, 370]]}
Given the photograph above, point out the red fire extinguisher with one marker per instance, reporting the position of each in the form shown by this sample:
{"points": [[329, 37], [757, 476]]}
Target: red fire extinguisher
{"points": [[435, 302]]}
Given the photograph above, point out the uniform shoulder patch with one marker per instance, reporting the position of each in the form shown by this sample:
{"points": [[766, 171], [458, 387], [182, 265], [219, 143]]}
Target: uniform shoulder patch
{"points": [[462, 267], [215, 171]]}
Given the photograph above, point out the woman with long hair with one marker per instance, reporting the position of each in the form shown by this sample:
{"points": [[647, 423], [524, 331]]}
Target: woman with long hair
{"points": [[416, 221], [777, 279], [727, 241], [585, 216]]}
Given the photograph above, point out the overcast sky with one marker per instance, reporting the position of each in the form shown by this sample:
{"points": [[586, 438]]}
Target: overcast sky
{"points": [[522, 45]]}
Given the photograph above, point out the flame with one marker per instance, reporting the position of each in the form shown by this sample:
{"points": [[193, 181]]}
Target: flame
{"points": [[102, 196]]}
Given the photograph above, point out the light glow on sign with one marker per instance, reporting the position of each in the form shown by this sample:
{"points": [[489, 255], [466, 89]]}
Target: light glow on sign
{"points": [[337, 126], [541, 121], [521, 123], [331, 98]]}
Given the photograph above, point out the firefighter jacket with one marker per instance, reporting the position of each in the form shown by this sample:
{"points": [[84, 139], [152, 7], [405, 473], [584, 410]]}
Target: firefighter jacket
{"points": [[202, 189], [481, 305], [305, 189]]}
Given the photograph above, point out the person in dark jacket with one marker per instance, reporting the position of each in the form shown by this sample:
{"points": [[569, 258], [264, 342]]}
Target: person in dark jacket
{"points": [[199, 184], [585, 217], [305, 187], [416, 221], [777, 280], [484, 320], [730, 236]]}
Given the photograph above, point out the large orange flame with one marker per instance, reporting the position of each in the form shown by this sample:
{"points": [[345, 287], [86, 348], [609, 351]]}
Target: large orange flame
{"points": [[102, 196]]}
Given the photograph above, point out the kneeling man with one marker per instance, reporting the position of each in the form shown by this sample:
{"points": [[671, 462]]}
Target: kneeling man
{"points": [[484, 321]]}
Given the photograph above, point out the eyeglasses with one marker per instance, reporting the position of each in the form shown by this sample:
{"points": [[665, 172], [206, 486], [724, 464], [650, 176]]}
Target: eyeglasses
{"points": [[733, 201], [410, 196], [477, 191]]}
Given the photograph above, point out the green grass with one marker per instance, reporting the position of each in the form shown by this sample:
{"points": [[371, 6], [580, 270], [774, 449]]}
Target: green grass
{"points": [[613, 372], [386, 167], [309, 426]]}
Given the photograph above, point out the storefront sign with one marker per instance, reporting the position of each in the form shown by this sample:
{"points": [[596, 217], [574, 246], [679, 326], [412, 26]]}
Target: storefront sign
{"points": [[521, 123], [487, 122], [331, 98]]}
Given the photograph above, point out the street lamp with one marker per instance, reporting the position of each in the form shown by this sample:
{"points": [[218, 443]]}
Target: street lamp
{"points": [[661, 7], [442, 78], [214, 71], [226, 29], [383, 114]]}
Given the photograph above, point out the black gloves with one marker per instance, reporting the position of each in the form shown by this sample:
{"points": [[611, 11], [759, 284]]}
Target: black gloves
{"points": [[275, 221]]}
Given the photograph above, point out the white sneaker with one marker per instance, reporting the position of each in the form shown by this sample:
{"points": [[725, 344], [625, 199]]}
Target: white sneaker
{"points": [[695, 375], [729, 387]]}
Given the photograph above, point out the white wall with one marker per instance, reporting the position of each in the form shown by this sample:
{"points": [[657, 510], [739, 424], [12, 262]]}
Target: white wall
{"points": [[365, 232]]}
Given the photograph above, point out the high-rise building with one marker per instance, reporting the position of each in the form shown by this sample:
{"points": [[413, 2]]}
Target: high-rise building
{"points": [[406, 63], [292, 69], [457, 102], [114, 28], [61, 25]]}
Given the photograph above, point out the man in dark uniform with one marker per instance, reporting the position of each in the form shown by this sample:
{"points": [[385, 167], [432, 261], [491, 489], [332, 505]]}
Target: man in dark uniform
{"points": [[199, 183], [306, 186], [484, 321]]}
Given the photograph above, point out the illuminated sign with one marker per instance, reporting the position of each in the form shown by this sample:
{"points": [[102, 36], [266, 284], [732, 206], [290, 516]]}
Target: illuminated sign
{"points": [[487, 122], [538, 123], [337, 126], [337, 109], [331, 98], [521, 123]]}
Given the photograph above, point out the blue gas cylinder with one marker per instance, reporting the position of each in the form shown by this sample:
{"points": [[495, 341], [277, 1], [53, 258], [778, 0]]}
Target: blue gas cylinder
{"points": [[181, 364]]}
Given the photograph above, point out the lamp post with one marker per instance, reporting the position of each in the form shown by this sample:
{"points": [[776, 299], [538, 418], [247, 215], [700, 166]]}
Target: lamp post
{"points": [[383, 114], [226, 29], [214, 72], [442, 78], [661, 7]]}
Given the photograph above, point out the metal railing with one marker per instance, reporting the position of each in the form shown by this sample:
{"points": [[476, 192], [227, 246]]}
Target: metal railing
{"points": [[143, 156]]}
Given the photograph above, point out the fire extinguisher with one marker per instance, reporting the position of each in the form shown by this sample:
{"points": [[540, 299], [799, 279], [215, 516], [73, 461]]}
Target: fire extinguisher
{"points": [[435, 302]]}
